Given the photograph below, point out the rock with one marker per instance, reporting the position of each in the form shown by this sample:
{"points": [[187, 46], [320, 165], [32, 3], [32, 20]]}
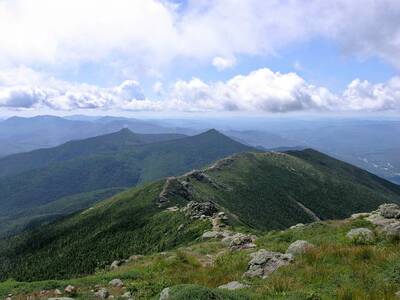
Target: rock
{"points": [[379, 220], [361, 236], [299, 225], [173, 208], [70, 289], [60, 298], [116, 283], [234, 285], [164, 295], [389, 210], [115, 264], [102, 293], [264, 262], [299, 247], [392, 230], [241, 241], [127, 295], [134, 257], [57, 292], [360, 215], [196, 210], [211, 235]]}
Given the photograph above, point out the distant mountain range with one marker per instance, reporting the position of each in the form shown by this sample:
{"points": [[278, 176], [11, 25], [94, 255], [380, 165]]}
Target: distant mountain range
{"points": [[25, 134], [257, 191], [30, 182], [370, 144]]}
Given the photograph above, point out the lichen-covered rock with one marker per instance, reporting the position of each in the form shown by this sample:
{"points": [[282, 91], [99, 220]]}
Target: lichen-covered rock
{"points": [[102, 293], [264, 262], [392, 230], [126, 295], [234, 285], [360, 215], [116, 264], [241, 241], [361, 236], [165, 294], [297, 226], [211, 235], [197, 210], [70, 289], [116, 283], [389, 210], [299, 247]]}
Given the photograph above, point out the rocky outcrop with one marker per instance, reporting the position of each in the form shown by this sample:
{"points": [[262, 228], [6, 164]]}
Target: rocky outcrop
{"points": [[233, 285], [264, 262], [174, 187], [299, 247], [361, 236], [200, 210], [389, 211], [386, 218]]}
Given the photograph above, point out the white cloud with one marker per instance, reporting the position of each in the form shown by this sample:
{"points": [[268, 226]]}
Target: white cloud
{"points": [[148, 34], [221, 63], [259, 91], [365, 96]]}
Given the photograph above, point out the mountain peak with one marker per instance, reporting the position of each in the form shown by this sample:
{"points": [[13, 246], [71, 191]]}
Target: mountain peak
{"points": [[125, 130]]}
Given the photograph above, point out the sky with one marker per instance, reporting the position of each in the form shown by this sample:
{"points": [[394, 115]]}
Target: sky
{"points": [[200, 56]]}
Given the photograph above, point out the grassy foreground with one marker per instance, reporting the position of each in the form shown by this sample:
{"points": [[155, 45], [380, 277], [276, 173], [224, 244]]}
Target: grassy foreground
{"points": [[334, 269]]}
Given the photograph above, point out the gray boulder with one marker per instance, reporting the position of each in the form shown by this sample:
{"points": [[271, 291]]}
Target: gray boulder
{"points": [[211, 235], [392, 230], [299, 247], [264, 262], [165, 295], [297, 226], [116, 264], [102, 293], [234, 285], [127, 295], [116, 283], [361, 236], [389, 210], [360, 215], [70, 289], [241, 241]]}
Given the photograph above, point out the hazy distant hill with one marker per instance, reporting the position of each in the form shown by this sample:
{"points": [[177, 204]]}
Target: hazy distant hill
{"points": [[25, 134]]}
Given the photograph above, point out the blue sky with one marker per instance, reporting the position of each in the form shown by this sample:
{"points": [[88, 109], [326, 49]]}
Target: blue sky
{"points": [[264, 56]]}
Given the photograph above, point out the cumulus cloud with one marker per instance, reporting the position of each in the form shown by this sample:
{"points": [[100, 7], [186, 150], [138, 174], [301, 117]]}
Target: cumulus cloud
{"points": [[148, 34], [221, 63], [259, 91]]}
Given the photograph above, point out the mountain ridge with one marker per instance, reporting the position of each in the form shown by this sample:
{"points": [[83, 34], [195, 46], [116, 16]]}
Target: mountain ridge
{"points": [[258, 191]]}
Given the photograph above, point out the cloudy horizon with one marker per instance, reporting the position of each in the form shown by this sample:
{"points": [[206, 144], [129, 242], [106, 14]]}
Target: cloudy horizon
{"points": [[200, 56]]}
